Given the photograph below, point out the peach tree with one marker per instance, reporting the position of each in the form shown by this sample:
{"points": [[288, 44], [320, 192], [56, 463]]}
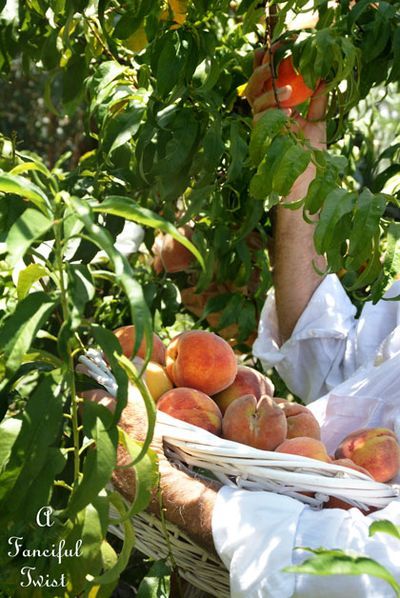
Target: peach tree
{"points": [[169, 144]]}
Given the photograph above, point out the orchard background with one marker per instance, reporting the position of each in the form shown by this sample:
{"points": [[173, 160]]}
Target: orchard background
{"points": [[115, 111]]}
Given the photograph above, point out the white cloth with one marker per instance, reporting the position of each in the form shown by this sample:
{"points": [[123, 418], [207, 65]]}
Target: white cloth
{"points": [[355, 363]]}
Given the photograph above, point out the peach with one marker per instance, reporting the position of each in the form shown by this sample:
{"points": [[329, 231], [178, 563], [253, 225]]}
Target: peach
{"points": [[157, 380], [201, 360], [247, 381], [337, 503], [306, 447], [261, 424], [175, 257], [300, 420], [192, 406], [126, 337], [375, 449]]}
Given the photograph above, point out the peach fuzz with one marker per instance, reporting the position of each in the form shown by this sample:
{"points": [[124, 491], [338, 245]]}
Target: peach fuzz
{"points": [[193, 407], [247, 381], [300, 420], [174, 256], [126, 337], [375, 449], [201, 360], [260, 424], [305, 447]]}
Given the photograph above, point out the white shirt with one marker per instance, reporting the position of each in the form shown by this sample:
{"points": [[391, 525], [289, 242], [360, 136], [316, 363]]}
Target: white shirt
{"points": [[355, 364]]}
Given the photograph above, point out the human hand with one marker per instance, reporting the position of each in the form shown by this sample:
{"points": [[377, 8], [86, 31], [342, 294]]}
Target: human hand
{"points": [[312, 126]]}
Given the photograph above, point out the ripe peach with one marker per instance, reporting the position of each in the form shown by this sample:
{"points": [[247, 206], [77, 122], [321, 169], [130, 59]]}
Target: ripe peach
{"points": [[192, 406], [126, 337], [261, 424], [375, 449], [247, 381], [337, 503], [201, 360], [300, 420], [157, 380], [306, 447], [175, 257]]}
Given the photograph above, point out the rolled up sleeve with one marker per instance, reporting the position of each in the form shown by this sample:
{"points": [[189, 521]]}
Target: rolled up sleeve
{"points": [[320, 354]]}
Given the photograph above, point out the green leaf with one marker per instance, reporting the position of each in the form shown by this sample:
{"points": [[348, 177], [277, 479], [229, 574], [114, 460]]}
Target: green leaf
{"points": [[29, 227], [157, 583], [293, 163], [126, 208], [335, 562], [270, 125], [146, 473], [34, 461], [261, 183], [19, 330], [99, 461], [386, 527], [121, 128], [169, 64], [366, 222], [9, 430], [124, 274], [28, 277], [18, 185], [338, 203], [81, 290], [125, 553]]}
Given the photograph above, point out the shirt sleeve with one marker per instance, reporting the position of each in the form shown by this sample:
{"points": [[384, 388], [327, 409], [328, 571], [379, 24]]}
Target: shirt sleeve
{"points": [[256, 535], [321, 351]]}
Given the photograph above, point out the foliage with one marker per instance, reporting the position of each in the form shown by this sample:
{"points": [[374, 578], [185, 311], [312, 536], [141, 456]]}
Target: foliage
{"points": [[338, 562], [169, 142]]}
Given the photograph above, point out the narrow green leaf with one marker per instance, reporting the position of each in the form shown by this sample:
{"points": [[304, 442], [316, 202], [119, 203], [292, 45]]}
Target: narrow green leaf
{"points": [[18, 185], [29, 227], [270, 125], [125, 553], [9, 430], [28, 277], [294, 161], [338, 203], [33, 452], [335, 562], [146, 473], [126, 208], [386, 527], [124, 274], [19, 330], [99, 461], [366, 222]]}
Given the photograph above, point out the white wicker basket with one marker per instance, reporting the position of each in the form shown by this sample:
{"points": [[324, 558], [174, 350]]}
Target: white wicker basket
{"points": [[245, 467]]}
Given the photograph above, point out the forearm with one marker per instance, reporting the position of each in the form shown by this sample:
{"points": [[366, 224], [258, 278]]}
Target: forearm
{"points": [[295, 278]]}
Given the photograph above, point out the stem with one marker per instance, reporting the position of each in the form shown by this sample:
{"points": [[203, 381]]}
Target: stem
{"points": [[70, 376], [269, 18]]}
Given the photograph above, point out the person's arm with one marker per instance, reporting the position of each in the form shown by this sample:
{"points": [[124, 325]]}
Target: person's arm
{"points": [[295, 278], [186, 501]]}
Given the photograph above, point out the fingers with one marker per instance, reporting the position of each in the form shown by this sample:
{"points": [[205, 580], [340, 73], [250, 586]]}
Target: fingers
{"points": [[318, 102], [267, 99], [256, 82], [258, 57]]}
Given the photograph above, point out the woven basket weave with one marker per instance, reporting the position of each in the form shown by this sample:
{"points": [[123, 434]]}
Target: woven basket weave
{"points": [[194, 564], [240, 466]]}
